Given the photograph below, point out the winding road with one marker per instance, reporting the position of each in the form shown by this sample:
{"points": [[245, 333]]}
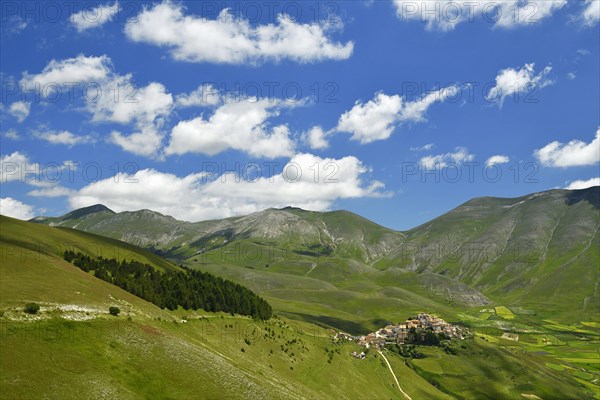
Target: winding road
{"points": [[394, 375]]}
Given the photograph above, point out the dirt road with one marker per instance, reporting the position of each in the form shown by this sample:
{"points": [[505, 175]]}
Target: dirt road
{"points": [[394, 375]]}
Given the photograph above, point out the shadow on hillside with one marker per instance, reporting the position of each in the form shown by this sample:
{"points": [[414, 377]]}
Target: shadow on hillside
{"points": [[591, 195], [328, 322]]}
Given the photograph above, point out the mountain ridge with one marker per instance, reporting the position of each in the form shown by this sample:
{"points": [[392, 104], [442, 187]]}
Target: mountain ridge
{"points": [[162, 353], [99, 207], [164, 233], [531, 250]]}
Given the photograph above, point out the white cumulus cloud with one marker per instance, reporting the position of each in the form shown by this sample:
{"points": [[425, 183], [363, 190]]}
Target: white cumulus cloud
{"points": [[591, 13], [145, 105], [306, 181], [11, 134], [76, 70], [459, 156], [204, 95], [54, 191], [20, 110], [583, 52], [146, 111], [145, 141], [445, 15], [414, 111], [239, 125], [17, 167], [94, 17], [425, 147], [512, 81], [232, 40], [15, 209], [111, 98], [316, 138], [63, 137], [373, 120], [377, 118], [572, 154], [497, 159], [583, 184]]}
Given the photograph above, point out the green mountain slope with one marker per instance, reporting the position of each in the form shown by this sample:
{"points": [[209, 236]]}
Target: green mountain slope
{"points": [[343, 233], [539, 251], [74, 349], [542, 249]]}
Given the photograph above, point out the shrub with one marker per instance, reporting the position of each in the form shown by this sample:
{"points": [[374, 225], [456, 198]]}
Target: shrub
{"points": [[114, 311], [32, 308]]}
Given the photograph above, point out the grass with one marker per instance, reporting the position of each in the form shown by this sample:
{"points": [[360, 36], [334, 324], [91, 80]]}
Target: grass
{"points": [[590, 360], [33, 269], [583, 375], [160, 359], [156, 355], [500, 373], [556, 367], [359, 301], [591, 324], [485, 316], [149, 353], [504, 312]]}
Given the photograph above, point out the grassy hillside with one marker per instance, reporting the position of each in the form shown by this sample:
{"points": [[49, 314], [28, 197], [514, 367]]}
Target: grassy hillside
{"points": [[526, 267], [74, 349], [535, 251], [540, 250], [340, 232], [33, 268]]}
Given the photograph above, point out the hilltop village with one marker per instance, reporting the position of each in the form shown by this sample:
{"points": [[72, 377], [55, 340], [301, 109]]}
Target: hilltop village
{"points": [[414, 330]]}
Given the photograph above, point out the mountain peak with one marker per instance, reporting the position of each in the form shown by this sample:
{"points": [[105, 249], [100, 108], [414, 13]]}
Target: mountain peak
{"points": [[75, 214], [570, 196], [81, 212], [289, 208]]}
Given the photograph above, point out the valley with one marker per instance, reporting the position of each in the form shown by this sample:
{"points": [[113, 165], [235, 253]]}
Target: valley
{"points": [[532, 309]]}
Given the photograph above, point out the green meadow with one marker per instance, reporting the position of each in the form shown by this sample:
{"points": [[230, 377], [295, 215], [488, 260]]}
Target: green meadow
{"points": [[529, 341]]}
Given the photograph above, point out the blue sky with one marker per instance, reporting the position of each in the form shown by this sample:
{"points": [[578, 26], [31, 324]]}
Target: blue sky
{"points": [[398, 111]]}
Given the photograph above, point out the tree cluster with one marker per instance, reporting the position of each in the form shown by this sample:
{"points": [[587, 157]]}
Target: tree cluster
{"points": [[169, 289], [406, 350], [425, 337]]}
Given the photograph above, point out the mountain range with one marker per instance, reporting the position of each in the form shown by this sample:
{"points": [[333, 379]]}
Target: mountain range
{"points": [[537, 251], [520, 274], [341, 232]]}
